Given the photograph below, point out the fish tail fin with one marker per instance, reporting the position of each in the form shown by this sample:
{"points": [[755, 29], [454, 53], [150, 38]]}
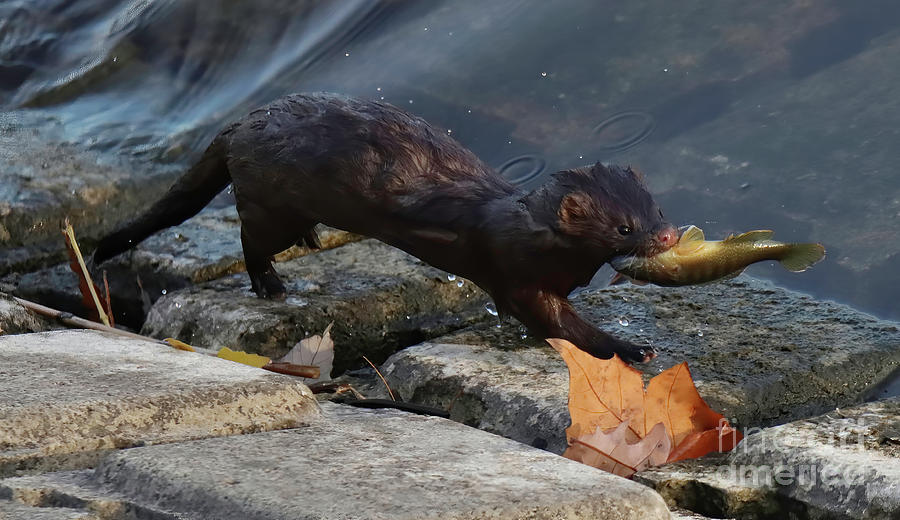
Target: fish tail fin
{"points": [[799, 257]]}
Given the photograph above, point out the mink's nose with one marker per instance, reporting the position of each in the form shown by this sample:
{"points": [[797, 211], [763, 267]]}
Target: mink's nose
{"points": [[668, 237]]}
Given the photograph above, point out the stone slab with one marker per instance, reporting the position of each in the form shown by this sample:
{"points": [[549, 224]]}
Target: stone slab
{"points": [[379, 298], [205, 247], [66, 397], [759, 354], [351, 464], [15, 319], [844, 464]]}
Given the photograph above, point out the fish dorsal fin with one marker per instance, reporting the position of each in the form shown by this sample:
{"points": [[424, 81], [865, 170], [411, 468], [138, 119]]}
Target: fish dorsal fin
{"points": [[752, 236], [692, 234], [691, 239]]}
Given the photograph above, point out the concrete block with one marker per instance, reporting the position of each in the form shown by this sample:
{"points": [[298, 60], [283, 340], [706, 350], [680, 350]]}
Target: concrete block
{"points": [[759, 354], [351, 464], [844, 464], [66, 397]]}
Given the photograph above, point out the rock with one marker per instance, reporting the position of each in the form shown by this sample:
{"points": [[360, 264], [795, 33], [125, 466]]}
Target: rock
{"points": [[206, 247], [15, 319], [759, 354], [44, 180], [379, 298], [844, 464], [15, 511], [66, 397], [520, 394], [351, 464]]}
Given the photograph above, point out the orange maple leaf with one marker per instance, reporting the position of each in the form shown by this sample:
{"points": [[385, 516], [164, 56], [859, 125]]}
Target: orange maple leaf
{"points": [[610, 451], [604, 393]]}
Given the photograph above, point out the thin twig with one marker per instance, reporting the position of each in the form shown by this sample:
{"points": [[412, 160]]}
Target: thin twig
{"points": [[291, 369], [69, 233], [383, 380], [67, 318], [108, 301]]}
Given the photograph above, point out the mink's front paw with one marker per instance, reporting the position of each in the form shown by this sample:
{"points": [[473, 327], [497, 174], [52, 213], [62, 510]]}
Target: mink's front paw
{"points": [[631, 353]]}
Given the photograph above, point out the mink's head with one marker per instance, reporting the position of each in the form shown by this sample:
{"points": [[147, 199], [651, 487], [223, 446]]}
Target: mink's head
{"points": [[608, 210]]}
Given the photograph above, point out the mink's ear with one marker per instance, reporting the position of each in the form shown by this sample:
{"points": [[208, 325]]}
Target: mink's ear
{"points": [[576, 209]]}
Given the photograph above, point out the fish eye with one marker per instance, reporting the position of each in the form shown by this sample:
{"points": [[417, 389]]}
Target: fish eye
{"points": [[625, 230]]}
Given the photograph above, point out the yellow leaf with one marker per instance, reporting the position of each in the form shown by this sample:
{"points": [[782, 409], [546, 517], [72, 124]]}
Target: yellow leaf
{"points": [[238, 356], [179, 345]]}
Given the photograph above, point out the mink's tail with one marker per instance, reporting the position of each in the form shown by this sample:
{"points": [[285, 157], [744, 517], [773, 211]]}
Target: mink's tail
{"points": [[190, 193]]}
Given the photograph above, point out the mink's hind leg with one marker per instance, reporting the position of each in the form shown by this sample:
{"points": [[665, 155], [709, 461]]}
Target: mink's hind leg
{"points": [[258, 259], [263, 238]]}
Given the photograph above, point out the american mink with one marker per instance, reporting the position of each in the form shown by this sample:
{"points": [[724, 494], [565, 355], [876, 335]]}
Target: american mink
{"points": [[373, 169]]}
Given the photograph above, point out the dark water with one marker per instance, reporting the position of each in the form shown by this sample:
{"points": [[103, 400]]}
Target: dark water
{"points": [[742, 115]]}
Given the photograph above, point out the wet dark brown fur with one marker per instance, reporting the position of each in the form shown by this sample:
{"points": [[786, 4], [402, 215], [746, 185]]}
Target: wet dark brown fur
{"points": [[373, 169]]}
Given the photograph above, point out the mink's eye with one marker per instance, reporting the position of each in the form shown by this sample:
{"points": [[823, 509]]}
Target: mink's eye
{"points": [[625, 230]]}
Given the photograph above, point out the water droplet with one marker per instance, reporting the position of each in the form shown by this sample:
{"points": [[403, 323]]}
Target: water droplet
{"points": [[700, 333], [410, 102], [451, 277], [268, 112], [524, 335], [426, 28], [378, 89], [581, 157], [346, 54], [623, 321], [665, 70], [164, 291], [498, 325], [382, 98], [469, 111], [460, 283], [115, 59], [543, 74], [407, 316], [449, 131], [491, 309], [177, 305]]}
